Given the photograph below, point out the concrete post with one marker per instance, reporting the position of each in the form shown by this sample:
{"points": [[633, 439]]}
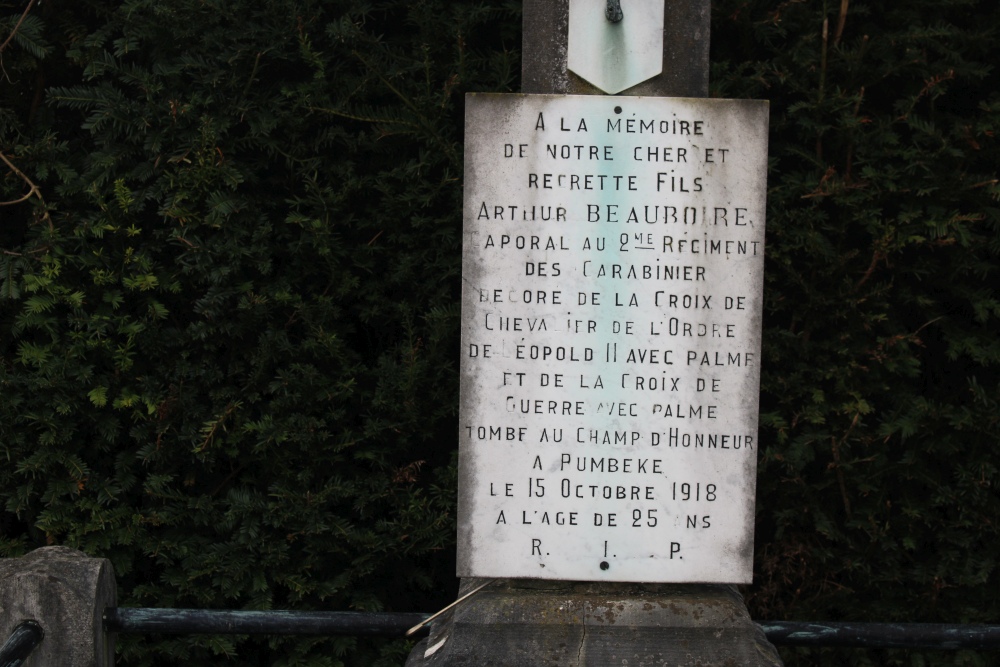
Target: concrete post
{"points": [[523, 623], [65, 592], [518, 622]]}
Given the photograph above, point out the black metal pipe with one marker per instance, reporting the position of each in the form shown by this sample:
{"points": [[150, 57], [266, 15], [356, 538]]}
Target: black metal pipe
{"points": [[372, 624], [26, 636], [883, 635], [226, 622]]}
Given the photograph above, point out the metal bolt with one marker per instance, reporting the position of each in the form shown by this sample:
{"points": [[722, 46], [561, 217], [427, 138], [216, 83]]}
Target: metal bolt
{"points": [[613, 12]]}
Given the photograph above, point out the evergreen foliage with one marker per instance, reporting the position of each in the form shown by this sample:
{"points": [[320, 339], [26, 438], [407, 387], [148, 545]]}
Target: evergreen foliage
{"points": [[877, 492], [230, 329], [229, 304]]}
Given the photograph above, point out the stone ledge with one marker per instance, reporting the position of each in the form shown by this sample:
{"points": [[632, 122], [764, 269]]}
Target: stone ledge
{"points": [[523, 622]]}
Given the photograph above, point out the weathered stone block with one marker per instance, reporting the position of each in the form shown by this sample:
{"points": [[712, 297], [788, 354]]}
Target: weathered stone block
{"points": [[66, 592], [571, 624]]}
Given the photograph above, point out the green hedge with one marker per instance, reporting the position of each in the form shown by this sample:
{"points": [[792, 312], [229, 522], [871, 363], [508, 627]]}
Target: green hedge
{"points": [[877, 493], [230, 332], [229, 308]]}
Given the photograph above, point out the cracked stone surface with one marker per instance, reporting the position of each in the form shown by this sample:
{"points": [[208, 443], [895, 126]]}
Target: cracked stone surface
{"points": [[517, 622]]}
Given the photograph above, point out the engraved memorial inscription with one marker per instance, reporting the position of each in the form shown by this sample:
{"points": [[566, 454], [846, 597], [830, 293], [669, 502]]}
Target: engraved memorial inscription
{"points": [[612, 274]]}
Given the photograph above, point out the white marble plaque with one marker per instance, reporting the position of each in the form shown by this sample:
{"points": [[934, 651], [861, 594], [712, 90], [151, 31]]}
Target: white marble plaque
{"points": [[611, 307]]}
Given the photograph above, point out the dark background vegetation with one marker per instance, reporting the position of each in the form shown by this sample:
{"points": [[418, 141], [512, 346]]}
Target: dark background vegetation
{"points": [[229, 304]]}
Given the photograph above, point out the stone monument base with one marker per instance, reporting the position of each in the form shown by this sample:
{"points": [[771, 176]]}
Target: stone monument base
{"points": [[520, 622]]}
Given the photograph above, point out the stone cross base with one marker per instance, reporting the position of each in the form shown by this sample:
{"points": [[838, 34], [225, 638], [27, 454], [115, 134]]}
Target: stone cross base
{"points": [[515, 623]]}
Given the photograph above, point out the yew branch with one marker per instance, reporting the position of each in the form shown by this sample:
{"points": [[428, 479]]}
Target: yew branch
{"points": [[33, 191], [17, 26]]}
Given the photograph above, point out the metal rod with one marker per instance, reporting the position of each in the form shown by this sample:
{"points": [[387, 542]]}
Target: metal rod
{"points": [[26, 636], [226, 622], [416, 628], [883, 635]]}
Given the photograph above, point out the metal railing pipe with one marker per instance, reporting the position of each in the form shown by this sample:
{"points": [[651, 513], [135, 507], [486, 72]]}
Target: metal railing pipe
{"points": [[384, 624], [26, 636], [883, 635], [229, 622]]}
